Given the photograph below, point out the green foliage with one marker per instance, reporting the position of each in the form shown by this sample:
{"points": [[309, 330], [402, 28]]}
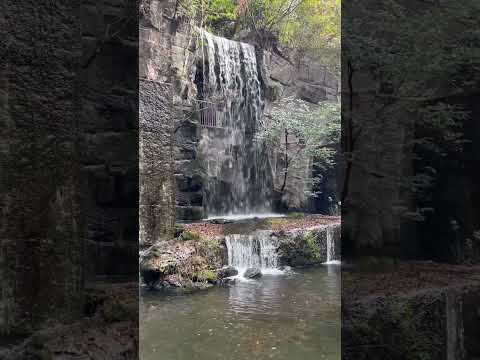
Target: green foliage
{"points": [[207, 275], [155, 252], [209, 247], [312, 27], [315, 29], [312, 248], [300, 129]]}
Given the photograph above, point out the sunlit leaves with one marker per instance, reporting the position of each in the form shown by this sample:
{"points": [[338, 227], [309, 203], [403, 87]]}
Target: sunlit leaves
{"points": [[311, 27]]}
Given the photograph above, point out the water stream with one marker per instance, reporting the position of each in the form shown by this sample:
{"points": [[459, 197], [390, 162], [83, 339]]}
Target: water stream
{"points": [[289, 317], [332, 257]]}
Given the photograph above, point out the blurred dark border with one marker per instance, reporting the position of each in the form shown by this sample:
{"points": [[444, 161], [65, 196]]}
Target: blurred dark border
{"points": [[410, 200], [69, 178]]}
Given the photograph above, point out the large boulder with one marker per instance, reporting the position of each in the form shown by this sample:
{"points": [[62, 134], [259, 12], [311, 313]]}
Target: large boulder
{"points": [[252, 273]]}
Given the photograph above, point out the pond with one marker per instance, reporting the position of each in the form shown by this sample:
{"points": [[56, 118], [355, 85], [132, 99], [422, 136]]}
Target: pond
{"points": [[289, 316]]}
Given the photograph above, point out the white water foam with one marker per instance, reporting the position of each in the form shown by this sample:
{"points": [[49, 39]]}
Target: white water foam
{"points": [[257, 250]]}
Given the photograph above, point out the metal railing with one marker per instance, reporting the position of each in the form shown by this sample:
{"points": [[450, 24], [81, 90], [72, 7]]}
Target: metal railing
{"points": [[209, 117]]}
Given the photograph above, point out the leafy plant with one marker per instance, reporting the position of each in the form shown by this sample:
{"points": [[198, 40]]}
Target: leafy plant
{"points": [[302, 130]]}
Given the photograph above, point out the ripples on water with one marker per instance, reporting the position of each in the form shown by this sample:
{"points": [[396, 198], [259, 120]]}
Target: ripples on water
{"points": [[294, 316]]}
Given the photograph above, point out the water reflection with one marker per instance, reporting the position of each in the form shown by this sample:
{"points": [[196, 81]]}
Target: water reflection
{"points": [[294, 316]]}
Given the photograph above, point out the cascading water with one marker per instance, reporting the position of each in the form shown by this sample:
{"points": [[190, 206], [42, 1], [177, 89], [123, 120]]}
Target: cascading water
{"points": [[257, 250], [332, 257], [230, 97]]}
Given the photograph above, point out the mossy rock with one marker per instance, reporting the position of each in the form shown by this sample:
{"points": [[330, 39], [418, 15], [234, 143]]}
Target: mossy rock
{"points": [[300, 250], [207, 275]]}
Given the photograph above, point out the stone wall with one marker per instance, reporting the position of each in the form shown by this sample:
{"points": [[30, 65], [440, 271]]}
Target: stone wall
{"points": [[303, 78], [156, 209], [69, 163], [168, 135], [108, 126], [40, 227]]}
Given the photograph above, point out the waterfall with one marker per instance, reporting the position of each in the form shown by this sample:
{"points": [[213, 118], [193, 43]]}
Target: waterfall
{"points": [[332, 257], [255, 250], [231, 103]]}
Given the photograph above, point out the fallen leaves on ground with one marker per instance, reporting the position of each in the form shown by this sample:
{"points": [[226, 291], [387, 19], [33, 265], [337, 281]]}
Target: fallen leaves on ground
{"points": [[209, 229]]}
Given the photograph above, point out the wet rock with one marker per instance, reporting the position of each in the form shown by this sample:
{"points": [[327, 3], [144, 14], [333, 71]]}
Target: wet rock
{"points": [[227, 271], [220, 221], [252, 273]]}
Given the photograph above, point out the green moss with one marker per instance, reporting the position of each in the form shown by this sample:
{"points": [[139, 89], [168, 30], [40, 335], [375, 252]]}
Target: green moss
{"points": [[188, 235], [312, 247], [207, 275], [155, 252], [419, 343]]}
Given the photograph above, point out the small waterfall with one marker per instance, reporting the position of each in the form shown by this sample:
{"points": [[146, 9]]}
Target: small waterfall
{"points": [[231, 101], [332, 257], [255, 250]]}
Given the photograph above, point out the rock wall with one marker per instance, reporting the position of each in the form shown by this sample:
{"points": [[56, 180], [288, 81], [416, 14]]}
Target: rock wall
{"points": [[40, 228], [170, 188], [168, 57], [69, 163], [303, 78], [108, 126], [156, 111]]}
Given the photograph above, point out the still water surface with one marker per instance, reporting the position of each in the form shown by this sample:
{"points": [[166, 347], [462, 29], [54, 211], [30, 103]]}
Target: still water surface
{"points": [[294, 317]]}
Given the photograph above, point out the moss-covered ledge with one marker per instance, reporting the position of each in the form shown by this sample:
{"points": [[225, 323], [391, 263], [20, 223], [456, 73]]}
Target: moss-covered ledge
{"points": [[191, 261], [197, 260]]}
